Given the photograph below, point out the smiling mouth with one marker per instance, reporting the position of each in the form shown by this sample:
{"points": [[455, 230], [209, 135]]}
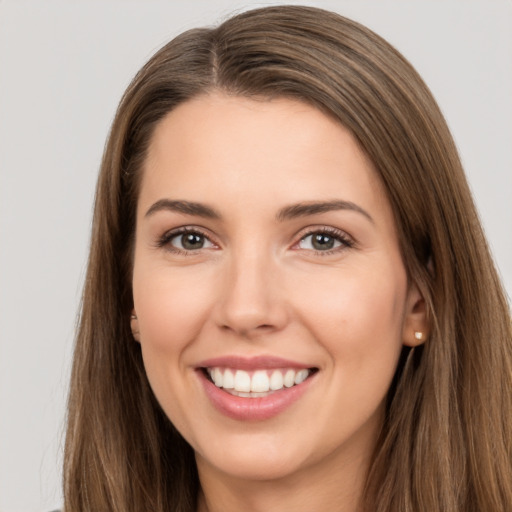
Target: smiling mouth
{"points": [[258, 383]]}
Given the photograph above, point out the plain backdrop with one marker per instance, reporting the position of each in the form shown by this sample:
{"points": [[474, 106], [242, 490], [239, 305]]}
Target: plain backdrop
{"points": [[63, 68]]}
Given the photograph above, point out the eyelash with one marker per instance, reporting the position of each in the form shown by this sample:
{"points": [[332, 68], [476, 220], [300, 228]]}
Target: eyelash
{"points": [[340, 236], [165, 239]]}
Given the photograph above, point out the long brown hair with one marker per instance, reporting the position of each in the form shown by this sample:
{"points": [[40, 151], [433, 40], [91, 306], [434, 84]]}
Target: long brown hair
{"points": [[446, 443]]}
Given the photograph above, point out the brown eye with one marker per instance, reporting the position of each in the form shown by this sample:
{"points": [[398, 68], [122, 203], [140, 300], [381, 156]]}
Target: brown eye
{"points": [[190, 241], [323, 241]]}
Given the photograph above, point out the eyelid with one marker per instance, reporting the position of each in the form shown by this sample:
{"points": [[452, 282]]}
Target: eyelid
{"points": [[164, 240], [346, 240]]}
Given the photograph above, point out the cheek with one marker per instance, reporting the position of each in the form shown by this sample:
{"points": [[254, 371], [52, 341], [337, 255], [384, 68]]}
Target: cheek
{"points": [[354, 296], [171, 306], [171, 311], [358, 318]]}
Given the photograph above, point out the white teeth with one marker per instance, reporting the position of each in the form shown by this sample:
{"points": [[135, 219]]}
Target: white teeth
{"points": [[229, 380], [218, 377], [261, 382], [276, 380], [289, 378], [242, 381], [242, 394], [301, 376]]}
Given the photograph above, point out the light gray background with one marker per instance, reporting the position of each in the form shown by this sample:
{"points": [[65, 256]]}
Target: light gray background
{"points": [[63, 68]]}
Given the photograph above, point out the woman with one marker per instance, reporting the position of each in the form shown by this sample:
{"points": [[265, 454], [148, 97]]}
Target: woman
{"points": [[289, 300]]}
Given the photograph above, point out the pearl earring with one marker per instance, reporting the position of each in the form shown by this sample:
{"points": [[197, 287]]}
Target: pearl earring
{"points": [[418, 335]]}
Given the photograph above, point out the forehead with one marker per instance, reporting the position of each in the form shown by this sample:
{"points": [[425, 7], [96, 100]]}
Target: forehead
{"points": [[219, 148]]}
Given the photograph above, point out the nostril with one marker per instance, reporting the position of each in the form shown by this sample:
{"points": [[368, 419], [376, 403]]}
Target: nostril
{"points": [[246, 331]]}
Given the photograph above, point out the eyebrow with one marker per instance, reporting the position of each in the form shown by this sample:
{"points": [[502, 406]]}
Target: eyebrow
{"points": [[313, 208], [186, 207], [287, 213]]}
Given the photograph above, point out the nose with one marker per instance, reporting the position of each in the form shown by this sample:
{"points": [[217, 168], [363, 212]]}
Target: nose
{"points": [[251, 301]]}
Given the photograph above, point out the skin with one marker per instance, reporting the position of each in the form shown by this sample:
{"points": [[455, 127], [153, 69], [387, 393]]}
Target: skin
{"points": [[258, 287]]}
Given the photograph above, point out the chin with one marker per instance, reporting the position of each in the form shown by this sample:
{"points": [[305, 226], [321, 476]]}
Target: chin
{"points": [[254, 464]]}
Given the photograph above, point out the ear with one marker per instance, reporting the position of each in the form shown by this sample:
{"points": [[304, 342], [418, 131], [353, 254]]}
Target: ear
{"points": [[416, 328], [134, 324]]}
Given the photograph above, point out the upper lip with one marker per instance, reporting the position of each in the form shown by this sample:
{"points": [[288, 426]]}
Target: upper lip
{"points": [[251, 363]]}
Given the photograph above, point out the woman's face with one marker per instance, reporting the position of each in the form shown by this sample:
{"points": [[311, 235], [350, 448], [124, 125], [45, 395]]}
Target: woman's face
{"points": [[267, 260]]}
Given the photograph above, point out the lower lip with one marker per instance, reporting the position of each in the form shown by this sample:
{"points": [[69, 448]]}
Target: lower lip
{"points": [[253, 409]]}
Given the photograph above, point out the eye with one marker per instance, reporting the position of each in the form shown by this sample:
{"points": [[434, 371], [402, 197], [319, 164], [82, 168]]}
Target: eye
{"points": [[324, 241], [186, 240]]}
